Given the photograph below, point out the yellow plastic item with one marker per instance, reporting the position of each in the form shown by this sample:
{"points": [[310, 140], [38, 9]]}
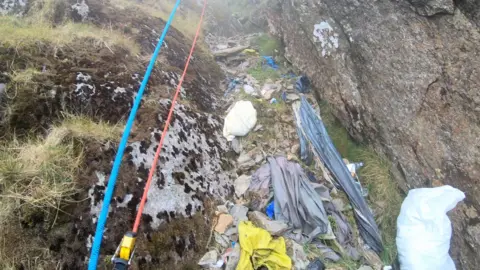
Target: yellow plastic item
{"points": [[250, 52], [126, 246], [260, 249]]}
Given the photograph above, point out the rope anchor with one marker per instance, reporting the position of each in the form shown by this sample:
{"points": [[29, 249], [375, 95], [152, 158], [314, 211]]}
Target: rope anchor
{"points": [[124, 254]]}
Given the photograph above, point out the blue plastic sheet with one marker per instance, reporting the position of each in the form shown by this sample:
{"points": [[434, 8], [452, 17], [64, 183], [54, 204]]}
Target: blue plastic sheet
{"points": [[313, 131], [303, 84], [270, 62], [270, 210]]}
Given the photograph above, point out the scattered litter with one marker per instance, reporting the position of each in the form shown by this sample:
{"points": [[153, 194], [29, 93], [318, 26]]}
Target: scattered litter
{"points": [[222, 240], [223, 223], [270, 62], [233, 257], [312, 130], [297, 254], [258, 248], [316, 264], [240, 120], [424, 230], [209, 259], [259, 189], [274, 227], [241, 184], [284, 96], [296, 201], [232, 85], [303, 84], [353, 167], [239, 213], [270, 210], [273, 101], [251, 52]]}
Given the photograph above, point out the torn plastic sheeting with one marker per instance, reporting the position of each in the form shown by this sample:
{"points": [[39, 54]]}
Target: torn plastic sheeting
{"points": [[258, 248], [259, 189], [306, 154], [424, 230], [313, 129], [296, 201], [270, 62], [303, 84]]}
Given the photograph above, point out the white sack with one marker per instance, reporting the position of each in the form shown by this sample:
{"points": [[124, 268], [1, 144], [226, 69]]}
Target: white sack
{"points": [[240, 120], [424, 230]]}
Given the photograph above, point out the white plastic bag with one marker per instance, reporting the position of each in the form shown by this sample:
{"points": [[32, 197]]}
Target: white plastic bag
{"points": [[240, 120], [424, 230]]}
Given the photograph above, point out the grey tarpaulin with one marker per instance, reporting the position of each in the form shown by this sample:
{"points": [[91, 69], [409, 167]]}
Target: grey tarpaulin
{"points": [[296, 201], [259, 190], [314, 131]]}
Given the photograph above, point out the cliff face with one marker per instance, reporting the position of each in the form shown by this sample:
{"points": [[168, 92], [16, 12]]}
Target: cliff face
{"points": [[403, 76]]}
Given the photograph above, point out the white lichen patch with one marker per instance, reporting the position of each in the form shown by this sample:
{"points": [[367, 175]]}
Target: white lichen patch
{"points": [[191, 153], [95, 203], [327, 37], [15, 7], [82, 9], [84, 87]]}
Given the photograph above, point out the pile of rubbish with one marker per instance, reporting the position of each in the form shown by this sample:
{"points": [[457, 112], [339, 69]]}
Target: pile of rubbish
{"points": [[285, 206]]}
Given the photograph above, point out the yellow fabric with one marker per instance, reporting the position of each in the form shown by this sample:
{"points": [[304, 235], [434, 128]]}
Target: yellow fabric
{"points": [[259, 248]]}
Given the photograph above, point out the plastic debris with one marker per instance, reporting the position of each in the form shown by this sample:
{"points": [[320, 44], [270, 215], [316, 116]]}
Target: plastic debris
{"points": [[223, 223], [259, 189], [424, 230], [209, 259], [273, 101], [240, 120], [296, 201], [258, 248], [232, 256], [270, 62], [303, 84], [270, 210], [353, 167], [312, 132], [250, 52], [297, 254], [284, 96]]}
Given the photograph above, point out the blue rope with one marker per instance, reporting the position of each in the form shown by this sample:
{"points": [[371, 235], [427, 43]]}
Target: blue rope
{"points": [[102, 219]]}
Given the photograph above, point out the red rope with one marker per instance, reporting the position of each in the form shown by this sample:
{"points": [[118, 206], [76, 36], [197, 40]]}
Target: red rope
{"points": [[167, 124]]}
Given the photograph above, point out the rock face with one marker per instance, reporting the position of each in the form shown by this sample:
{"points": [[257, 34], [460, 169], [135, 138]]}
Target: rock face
{"points": [[406, 83]]}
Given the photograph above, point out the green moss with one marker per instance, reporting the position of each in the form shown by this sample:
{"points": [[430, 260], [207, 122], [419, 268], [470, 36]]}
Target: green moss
{"points": [[268, 45], [262, 73]]}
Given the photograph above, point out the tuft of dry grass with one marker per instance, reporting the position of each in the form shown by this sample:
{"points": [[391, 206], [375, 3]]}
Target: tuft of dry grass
{"points": [[19, 34], [82, 127], [185, 20]]}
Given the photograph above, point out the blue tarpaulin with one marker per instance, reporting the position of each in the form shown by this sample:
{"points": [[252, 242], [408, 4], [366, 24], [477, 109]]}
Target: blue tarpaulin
{"points": [[303, 84], [313, 131], [270, 62]]}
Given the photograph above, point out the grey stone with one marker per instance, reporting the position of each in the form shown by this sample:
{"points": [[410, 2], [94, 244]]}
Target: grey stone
{"points": [[274, 227], [290, 87], [258, 127], [295, 149], [241, 184], [237, 145], [432, 7], [297, 254], [259, 158], [292, 97], [209, 259], [245, 161], [365, 267], [399, 98], [239, 213], [222, 209]]}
